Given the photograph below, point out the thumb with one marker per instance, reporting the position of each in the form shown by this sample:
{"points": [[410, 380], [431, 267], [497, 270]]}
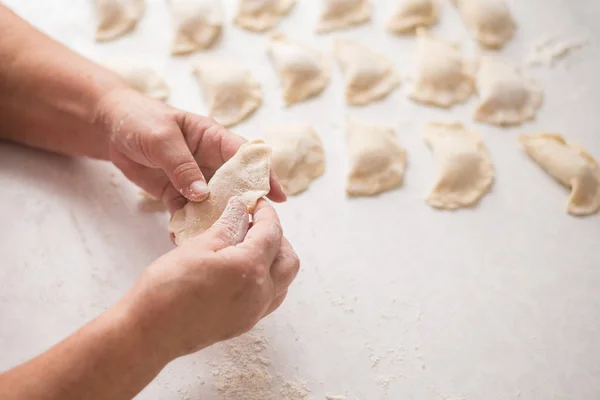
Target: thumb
{"points": [[230, 229], [176, 160]]}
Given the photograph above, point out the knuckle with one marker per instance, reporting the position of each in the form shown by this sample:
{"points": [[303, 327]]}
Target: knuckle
{"points": [[157, 141], [186, 171], [275, 231]]}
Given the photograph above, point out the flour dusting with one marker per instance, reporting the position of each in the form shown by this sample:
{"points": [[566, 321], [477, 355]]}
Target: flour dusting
{"points": [[243, 372]]}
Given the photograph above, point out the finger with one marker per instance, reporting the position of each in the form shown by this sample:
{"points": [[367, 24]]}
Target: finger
{"points": [[276, 303], [263, 240], [276, 194], [229, 230], [171, 153], [153, 181], [172, 198], [284, 268]]}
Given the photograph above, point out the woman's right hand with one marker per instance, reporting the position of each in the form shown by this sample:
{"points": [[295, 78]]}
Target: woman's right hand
{"points": [[217, 285]]}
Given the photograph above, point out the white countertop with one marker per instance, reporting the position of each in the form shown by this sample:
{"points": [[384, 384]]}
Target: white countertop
{"points": [[395, 300]]}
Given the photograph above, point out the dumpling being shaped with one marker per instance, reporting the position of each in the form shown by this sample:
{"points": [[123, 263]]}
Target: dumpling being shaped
{"points": [[117, 17], [464, 167], [443, 78], [231, 91], [246, 174], [261, 15], [143, 79], [198, 24], [507, 97], [304, 72], [376, 160], [297, 156], [340, 14], [570, 165], [489, 21], [369, 75], [412, 14]]}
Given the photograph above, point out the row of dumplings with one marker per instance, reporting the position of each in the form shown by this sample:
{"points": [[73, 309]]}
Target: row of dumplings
{"points": [[443, 78], [465, 173], [198, 23]]}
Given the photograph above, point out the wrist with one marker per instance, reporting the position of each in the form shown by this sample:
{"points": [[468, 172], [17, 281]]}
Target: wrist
{"points": [[127, 325]]}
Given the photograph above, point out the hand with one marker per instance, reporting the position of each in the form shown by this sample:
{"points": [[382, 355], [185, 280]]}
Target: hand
{"points": [[217, 285], [169, 153]]}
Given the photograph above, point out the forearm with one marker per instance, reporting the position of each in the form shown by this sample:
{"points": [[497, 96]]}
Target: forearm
{"points": [[112, 357], [49, 94]]}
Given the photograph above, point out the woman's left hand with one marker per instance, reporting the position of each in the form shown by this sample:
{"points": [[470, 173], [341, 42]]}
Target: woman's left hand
{"points": [[169, 153]]}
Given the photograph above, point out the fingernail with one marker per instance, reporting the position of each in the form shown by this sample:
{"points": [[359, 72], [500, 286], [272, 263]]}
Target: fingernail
{"points": [[199, 190]]}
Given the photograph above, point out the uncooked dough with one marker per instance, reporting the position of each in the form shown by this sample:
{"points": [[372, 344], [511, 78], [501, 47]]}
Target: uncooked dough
{"points": [[261, 15], [369, 75], [412, 14], [197, 24], [489, 21], [117, 17], [443, 78], [246, 175], [231, 91], [376, 160], [304, 72], [464, 167], [340, 14], [507, 97], [143, 79], [570, 165], [298, 156]]}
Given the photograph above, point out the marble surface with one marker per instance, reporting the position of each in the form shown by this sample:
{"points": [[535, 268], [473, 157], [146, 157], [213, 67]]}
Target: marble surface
{"points": [[395, 300]]}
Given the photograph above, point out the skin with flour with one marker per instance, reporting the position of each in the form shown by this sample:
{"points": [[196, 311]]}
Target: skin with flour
{"points": [[213, 288]]}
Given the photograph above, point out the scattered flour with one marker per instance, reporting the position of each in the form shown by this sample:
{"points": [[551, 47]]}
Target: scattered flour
{"points": [[243, 373], [294, 391], [548, 51]]}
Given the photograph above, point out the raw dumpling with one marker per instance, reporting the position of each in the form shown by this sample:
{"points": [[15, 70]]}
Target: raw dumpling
{"points": [[377, 161], [246, 175], [230, 89], [197, 24], [340, 14], [304, 72], [489, 21], [507, 97], [464, 167], [143, 79], [570, 165], [443, 77], [412, 14], [298, 156], [117, 17], [261, 15], [369, 75]]}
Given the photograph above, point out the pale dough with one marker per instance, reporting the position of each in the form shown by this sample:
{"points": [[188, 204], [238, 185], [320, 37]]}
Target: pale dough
{"points": [[507, 97], [570, 165], [143, 79], [198, 24], [443, 78], [304, 72], [245, 175], [464, 167], [231, 91], [376, 160], [489, 21], [412, 14], [117, 17], [369, 75], [261, 15], [298, 156], [340, 14]]}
